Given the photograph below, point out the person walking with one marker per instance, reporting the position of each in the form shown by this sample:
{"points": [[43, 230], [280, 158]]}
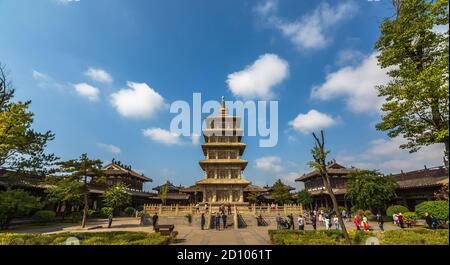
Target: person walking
{"points": [[327, 221], [365, 223], [301, 222], [202, 221], [291, 222], [206, 207], [217, 221], [314, 221], [357, 222], [320, 218], [336, 222], [400, 220], [155, 220], [380, 221], [429, 220], [110, 219], [142, 222], [395, 218], [197, 207], [278, 220], [229, 208], [224, 220]]}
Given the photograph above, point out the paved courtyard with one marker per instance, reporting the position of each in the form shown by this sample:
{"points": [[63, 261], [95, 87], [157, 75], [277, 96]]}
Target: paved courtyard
{"points": [[188, 234]]}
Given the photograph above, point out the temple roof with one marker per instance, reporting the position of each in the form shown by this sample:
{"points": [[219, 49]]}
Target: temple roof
{"points": [[254, 188], [270, 188], [170, 188], [426, 177], [333, 168], [223, 181], [114, 168], [215, 145], [241, 162]]}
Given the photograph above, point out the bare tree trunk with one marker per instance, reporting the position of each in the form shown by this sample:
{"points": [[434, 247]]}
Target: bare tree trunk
{"points": [[326, 180], [85, 210]]}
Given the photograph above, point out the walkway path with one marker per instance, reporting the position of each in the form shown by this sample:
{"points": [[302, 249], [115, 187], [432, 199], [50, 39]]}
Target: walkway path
{"points": [[189, 234]]}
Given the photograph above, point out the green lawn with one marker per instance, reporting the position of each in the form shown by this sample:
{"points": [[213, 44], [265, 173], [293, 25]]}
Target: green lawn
{"points": [[414, 236], [87, 238]]}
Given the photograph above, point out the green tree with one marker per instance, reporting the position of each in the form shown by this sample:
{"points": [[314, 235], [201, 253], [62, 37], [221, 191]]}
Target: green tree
{"points": [[163, 192], [88, 172], [369, 190], [416, 53], [21, 148], [16, 203], [319, 154], [117, 196], [280, 192], [64, 190], [252, 197], [304, 197]]}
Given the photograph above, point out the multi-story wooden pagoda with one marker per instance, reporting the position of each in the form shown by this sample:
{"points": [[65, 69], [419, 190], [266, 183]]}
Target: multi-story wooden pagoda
{"points": [[223, 167]]}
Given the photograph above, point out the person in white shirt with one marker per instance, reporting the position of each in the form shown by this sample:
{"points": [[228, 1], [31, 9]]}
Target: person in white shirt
{"points": [[336, 222], [301, 222]]}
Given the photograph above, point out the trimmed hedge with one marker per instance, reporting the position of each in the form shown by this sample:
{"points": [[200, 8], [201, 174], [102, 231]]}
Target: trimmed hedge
{"points": [[93, 238], [415, 236], [44, 216], [319, 237], [438, 209], [396, 209]]}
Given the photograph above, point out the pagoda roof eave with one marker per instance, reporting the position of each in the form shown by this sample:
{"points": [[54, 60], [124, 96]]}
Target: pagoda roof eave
{"points": [[241, 162]]}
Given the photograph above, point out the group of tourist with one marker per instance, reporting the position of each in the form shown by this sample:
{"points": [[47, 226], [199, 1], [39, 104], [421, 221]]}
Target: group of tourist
{"points": [[361, 222], [326, 219], [218, 219], [432, 221], [398, 219]]}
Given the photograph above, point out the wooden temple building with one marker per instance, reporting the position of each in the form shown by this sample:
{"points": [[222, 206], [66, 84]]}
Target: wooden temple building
{"points": [[223, 166], [412, 187], [118, 173], [173, 195]]}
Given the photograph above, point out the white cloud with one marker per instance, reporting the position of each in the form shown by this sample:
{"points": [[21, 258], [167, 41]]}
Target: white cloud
{"points": [[349, 57], [87, 91], [312, 121], [66, 2], [356, 84], [99, 75], [162, 136], [39, 75], [269, 163], [386, 155], [109, 148], [312, 30], [258, 80], [137, 101]]}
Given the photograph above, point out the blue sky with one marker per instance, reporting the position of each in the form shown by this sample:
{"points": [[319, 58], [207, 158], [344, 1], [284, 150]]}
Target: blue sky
{"points": [[100, 73]]}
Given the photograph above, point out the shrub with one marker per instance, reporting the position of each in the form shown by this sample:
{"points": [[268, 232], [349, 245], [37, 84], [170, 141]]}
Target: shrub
{"points": [[106, 211], [320, 237], [44, 216], [438, 209], [416, 236], [396, 209], [130, 211], [410, 216], [93, 238]]}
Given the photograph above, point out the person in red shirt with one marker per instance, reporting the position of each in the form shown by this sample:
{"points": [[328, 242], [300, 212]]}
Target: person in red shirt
{"points": [[357, 222]]}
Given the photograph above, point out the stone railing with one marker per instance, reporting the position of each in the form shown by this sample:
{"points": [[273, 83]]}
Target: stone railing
{"points": [[176, 209]]}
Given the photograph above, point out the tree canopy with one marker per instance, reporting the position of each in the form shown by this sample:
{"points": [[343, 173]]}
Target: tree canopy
{"points": [[304, 197], [116, 196], [369, 190], [16, 203], [414, 48], [280, 192], [22, 149]]}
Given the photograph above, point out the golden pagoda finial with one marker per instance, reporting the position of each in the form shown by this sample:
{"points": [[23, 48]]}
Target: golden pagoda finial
{"points": [[223, 102]]}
